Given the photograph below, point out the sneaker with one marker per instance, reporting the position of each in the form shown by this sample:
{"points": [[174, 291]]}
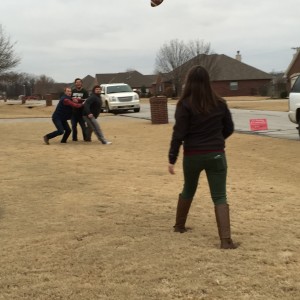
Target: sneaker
{"points": [[46, 140], [106, 143]]}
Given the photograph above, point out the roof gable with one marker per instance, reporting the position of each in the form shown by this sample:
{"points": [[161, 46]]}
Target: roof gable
{"points": [[88, 82]]}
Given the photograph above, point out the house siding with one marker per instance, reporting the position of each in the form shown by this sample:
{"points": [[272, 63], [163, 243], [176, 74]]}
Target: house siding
{"points": [[245, 87]]}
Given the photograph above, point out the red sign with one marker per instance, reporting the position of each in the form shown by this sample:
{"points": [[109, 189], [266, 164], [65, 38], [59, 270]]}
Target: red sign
{"points": [[258, 124]]}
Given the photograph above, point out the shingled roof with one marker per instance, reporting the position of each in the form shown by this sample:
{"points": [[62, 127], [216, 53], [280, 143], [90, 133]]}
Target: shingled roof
{"points": [[133, 78], [226, 68]]}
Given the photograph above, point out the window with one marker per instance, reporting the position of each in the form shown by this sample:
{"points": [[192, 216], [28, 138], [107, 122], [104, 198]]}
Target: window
{"points": [[234, 85]]}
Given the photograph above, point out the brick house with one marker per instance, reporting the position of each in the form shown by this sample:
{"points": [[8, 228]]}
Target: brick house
{"points": [[293, 70], [229, 76]]}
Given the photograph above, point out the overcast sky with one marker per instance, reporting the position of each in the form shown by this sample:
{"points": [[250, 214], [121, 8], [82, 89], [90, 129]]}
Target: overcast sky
{"points": [[65, 39]]}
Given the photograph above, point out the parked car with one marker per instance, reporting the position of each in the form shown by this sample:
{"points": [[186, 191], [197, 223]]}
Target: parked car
{"points": [[294, 103], [118, 97]]}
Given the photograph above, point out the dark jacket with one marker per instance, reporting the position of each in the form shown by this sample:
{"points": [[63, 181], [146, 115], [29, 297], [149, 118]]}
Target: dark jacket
{"points": [[92, 105], [64, 108], [200, 132]]}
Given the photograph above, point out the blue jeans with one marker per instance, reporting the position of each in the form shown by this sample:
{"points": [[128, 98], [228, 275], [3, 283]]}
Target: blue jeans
{"points": [[215, 166], [62, 127]]}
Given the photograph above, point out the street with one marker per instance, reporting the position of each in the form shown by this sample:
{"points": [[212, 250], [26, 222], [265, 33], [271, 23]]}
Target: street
{"points": [[278, 123]]}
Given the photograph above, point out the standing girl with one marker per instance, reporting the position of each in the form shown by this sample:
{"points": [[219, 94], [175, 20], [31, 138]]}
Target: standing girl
{"points": [[203, 122]]}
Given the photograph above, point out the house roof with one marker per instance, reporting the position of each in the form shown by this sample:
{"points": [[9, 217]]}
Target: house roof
{"points": [[88, 82], [293, 61], [232, 69], [133, 78], [225, 68]]}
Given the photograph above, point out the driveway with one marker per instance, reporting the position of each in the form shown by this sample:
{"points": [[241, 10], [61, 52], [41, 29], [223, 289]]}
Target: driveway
{"points": [[278, 123]]}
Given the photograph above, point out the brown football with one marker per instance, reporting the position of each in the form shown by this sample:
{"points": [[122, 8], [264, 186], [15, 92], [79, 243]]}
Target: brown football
{"points": [[156, 2]]}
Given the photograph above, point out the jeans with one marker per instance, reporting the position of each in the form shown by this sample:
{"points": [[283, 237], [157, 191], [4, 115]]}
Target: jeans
{"points": [[63, 127], [77, 119], [93, 126], [215, 166]]}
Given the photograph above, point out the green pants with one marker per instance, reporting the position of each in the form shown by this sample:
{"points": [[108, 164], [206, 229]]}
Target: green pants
{"points": [[215, 166]]}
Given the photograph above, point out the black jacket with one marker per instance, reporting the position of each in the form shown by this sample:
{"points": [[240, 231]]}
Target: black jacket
{"points": [[92, 105], [199, 132]]}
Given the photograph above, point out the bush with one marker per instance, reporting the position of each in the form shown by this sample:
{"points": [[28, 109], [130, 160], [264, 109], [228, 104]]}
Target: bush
{"points": [[283, 94]]}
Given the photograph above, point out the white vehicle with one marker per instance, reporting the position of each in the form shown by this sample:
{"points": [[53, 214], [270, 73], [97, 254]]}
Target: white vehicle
{"points": [[119, 97], [294, 103]]}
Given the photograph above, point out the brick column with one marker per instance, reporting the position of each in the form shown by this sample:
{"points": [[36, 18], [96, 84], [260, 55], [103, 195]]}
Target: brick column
{"points": [[159, 110], [48, 99]]}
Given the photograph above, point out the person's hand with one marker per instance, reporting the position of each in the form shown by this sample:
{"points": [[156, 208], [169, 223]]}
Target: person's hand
{"points": [[90, 116], [75, 99], [171, 169]]}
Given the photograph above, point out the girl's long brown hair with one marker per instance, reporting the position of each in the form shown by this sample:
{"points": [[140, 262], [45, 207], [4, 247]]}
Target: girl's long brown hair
{"points": [[198, 91]]}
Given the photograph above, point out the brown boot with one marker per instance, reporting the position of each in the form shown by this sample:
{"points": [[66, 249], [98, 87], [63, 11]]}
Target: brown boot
{"points": [[223, 222], [183, 207]]}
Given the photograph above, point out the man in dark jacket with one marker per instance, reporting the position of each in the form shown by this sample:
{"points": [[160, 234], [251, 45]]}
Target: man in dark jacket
{"points": [[61, 115], [91, 111]]}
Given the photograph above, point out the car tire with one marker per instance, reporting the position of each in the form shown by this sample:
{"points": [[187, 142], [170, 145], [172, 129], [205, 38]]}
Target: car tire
{"points": [[137, 109], [107, 108]]}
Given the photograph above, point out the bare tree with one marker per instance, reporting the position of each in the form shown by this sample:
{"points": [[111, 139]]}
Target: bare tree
{"points": [[201, 54], [175, 58], [13, 84], [197, 47], [8, 58], [43, 85], [170, 57]]}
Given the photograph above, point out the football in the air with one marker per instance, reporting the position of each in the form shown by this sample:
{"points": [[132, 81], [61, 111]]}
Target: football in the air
{"points": [[156, 2]]}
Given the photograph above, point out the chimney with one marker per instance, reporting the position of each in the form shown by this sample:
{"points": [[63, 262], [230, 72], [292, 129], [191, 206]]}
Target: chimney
{"points": [[238, 56]]}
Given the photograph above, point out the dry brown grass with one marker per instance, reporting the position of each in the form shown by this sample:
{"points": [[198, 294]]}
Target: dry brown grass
{"points": [[86, 221], [258, 103]]}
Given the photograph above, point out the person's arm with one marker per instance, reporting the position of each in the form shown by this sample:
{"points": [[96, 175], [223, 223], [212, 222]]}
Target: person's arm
{"points": [[69, 102], [228, 126], [180, 130], [87, 107]]}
